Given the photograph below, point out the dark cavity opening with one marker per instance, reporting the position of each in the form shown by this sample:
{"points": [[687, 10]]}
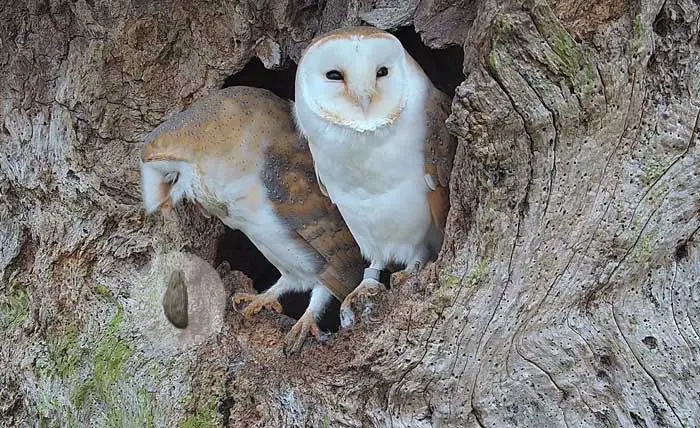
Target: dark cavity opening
{"points": [[682, 252], [443, 66], [242, 255], [235, 247], [280, 82]]}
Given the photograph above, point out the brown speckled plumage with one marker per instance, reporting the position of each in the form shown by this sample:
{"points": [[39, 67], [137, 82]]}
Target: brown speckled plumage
{"points": [[295, 194], [440, 147], [249, 130]]}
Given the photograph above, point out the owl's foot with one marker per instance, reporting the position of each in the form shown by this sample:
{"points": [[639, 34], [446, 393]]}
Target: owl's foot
{"points": [[297, 335], [367, 289], [257, 302], [399, 278]]}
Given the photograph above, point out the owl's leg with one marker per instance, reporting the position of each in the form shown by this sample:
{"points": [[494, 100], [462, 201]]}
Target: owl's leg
{"points": [[412, 269], [368, 288], [320, 297], [268, 300]]}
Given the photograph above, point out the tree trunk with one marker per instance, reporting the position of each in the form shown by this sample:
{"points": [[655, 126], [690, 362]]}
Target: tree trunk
{"points": [[566, 293]]}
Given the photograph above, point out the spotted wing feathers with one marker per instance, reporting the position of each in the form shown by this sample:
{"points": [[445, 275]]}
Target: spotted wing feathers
{"points": [[290, 178], [440, 148]]}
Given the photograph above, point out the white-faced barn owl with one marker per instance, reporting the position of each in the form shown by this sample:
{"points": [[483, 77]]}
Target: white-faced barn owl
{"points": [[376, 128], [237, 154]]}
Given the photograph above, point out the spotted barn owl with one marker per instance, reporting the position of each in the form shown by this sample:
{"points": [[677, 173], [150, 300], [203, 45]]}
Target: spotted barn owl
{"points": [[236, 153], [375, 125]]}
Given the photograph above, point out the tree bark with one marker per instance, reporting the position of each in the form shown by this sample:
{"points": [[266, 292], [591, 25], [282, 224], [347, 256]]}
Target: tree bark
{"points": [[566, 293]]}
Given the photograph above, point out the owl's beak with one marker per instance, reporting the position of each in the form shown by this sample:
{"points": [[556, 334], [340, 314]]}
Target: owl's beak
{"points": [[362, 89], [166, 205], [166, 208], [364, 101]]}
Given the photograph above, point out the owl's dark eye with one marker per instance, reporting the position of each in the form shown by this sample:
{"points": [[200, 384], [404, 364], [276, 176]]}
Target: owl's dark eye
{"points": [[172, 177], [334, 75], [383, 71]]}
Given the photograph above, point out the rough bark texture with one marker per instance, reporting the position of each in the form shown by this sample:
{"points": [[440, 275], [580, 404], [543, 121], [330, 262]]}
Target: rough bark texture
{"points": [[567, 290]]}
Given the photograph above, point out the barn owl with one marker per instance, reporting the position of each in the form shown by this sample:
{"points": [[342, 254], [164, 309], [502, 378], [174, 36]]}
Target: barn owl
{"points": [[237, 155], [375, 125]]}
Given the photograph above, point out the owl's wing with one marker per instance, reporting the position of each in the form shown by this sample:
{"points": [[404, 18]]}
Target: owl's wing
{"points": [[321, 186], [440, 148], [290, 179], [341, 262]]}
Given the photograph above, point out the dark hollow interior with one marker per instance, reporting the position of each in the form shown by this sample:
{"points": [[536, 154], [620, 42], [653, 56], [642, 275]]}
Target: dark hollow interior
{"points": [[443, 67], [280, 82], [235, 248]]}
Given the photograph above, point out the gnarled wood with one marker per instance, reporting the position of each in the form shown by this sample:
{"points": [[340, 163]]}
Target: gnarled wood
{"points": [[566, 293]]}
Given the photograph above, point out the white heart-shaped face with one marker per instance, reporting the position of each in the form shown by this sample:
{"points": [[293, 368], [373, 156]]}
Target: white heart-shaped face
{"points": [[357, 81]]}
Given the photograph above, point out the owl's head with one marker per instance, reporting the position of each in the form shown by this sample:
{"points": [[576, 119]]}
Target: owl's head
{"points": [[355, 77], [166, 171], [164, 183]]}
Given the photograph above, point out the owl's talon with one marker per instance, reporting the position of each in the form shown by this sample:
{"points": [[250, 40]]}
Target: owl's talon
{"points": [[399, 278], [299, 332], [411, 271], [347, 317], [257, 303], [367, 289]]}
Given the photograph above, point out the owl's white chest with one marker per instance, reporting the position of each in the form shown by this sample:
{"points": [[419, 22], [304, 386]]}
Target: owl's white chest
{"points": [[377, 182]]}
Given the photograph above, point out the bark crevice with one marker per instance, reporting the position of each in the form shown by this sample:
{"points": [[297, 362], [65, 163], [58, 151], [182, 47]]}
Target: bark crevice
{"points": [[566, 291]]}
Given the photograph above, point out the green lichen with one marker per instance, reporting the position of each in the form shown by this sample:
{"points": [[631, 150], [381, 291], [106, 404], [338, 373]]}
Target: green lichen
{"points": [[48, 412], [204, 417], [504, 24], [93, 378], [63, 354], [646, 245], [638, 27], [493, 61], [14, 308], [107, 367], [652, 171], [111, 354], [449, 282], [146, 408], [660, 191], [568, 52], [115, 417], [79, 395], [103, 291], [444, 295], [442, 299], [640, 44], [478, 274], [566, 57]]}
